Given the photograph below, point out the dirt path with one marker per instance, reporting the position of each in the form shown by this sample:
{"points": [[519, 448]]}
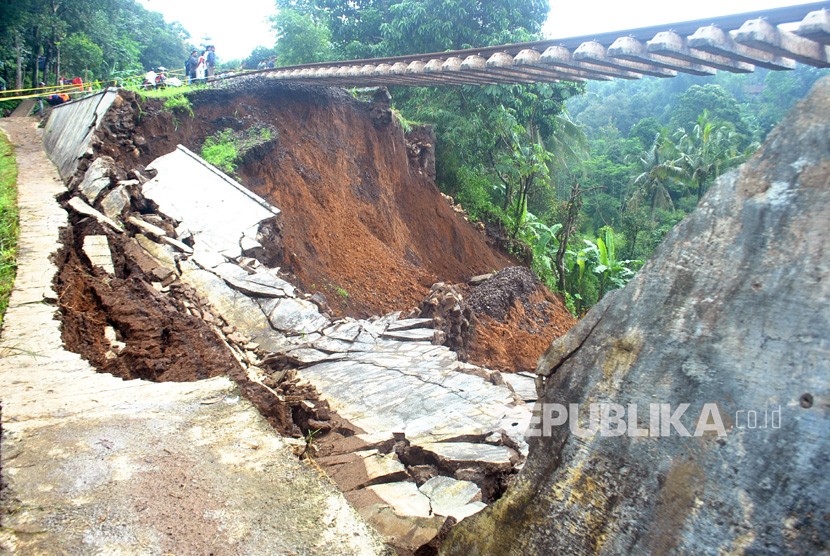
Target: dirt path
{"points": [[96, 464]]}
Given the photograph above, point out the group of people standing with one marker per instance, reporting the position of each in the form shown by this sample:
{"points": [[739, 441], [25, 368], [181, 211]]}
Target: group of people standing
{"points": [[200, 67]]}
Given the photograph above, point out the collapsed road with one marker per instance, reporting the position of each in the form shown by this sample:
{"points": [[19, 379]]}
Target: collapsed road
{"points": [[169, 270]]}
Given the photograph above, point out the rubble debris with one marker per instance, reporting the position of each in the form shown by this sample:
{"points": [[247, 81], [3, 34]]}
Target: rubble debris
{"points": [[97, 250], [78, 205], [450, 314]]}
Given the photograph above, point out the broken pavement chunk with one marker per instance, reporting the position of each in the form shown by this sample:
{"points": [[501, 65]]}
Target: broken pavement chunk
{"points": [[81, 207], [465, 454], [453, 498], [523, 385], [409, 324], [346, 331], [364, 469], [97, 178], [115, 202], [404, 498], [296, 316], [146, 227], [414, 335], [97, 250]]}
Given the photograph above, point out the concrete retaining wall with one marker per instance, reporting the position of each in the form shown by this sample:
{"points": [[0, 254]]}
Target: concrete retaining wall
{"points": [[69, 129]]}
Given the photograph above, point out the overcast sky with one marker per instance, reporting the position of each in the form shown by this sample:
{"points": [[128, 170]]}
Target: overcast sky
{"points": [[238, 26]]}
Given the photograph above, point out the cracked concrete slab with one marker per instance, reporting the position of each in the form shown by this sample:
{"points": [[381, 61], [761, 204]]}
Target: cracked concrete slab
{"points": [[218, 211], [96, 464]]}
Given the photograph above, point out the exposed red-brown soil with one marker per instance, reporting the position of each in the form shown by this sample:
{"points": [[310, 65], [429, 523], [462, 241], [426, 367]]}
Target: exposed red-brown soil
{"points": [[515, 319], [161, 339], [362, 220], [163, 342], [515, 343]]}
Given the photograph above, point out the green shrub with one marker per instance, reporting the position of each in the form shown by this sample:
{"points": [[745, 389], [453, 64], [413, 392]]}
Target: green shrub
{"points": [[179, 103], [226, 148], [221, 151]]}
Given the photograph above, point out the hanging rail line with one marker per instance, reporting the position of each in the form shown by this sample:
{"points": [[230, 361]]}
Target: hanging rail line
{"points": [[775, 39]]}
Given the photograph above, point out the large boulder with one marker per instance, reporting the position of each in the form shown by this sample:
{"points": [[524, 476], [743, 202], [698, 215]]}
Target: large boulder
{"points": [[732, 317]]}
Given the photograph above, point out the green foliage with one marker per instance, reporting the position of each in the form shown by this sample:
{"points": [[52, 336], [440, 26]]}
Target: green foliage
{"points": [[476, 192], [220, 150], [368, 28], [406, 125], [179, 103], [719, 103], [710, 148], [259, 55], [98, 38], [227, 147], [613, 272], [8, 222], [300, 39], [80, 56]]}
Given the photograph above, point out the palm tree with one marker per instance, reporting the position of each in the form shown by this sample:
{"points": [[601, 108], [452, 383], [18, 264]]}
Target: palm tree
{"points": [[707, 151], [658, 170]]}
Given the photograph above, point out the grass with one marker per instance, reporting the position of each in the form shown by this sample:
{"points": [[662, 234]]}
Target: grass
{"points": [[175, 98], [220, 150], [166, 92], [179, 103], [406, 125], [225, 148], [8, 222]]}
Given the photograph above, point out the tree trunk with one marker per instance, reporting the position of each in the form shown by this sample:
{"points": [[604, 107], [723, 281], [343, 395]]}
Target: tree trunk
{"points": [[58, 64], [573, 207], [35, 56], [18, 76]]}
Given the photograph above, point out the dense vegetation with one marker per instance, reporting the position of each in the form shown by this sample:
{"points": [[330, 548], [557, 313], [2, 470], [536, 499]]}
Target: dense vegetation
{"points": [[41, 40], [8, 222], [584, 200]]}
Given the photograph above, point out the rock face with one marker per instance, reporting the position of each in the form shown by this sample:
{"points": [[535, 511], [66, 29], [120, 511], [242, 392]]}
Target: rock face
{"points": [[733, 311]]}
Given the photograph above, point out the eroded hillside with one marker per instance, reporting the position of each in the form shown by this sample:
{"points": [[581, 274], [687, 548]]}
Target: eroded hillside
{"points": [[363, 226], [363, 222]]}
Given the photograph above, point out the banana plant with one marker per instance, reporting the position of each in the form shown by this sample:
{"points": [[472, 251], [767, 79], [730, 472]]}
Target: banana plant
{"points": [[542, 240], [612, 272]]}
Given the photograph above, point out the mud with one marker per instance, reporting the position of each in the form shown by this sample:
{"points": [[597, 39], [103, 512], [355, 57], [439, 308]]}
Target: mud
{"points": [[363, 223], [515, 342], [504, 323], [515, 319], [163, 342]]}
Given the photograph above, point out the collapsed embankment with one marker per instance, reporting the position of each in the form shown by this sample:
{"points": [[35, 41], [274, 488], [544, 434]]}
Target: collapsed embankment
{"points": [[363, 222], [154, 280], [363, 226]]}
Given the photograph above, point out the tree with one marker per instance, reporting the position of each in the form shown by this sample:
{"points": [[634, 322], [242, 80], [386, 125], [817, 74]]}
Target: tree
{"points": [[368, 28], [519, 163], [714, 99], [103, 36], [80, 55], [259, 55], [613, 272], [300, 39], [709, 149], [658, 169], [645, 131]]}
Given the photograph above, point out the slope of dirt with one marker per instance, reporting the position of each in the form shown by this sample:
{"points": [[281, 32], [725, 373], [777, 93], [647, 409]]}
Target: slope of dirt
{"points": [[362, 220], [515, 342], [163, 342], [515, 320], [504, 323]]}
